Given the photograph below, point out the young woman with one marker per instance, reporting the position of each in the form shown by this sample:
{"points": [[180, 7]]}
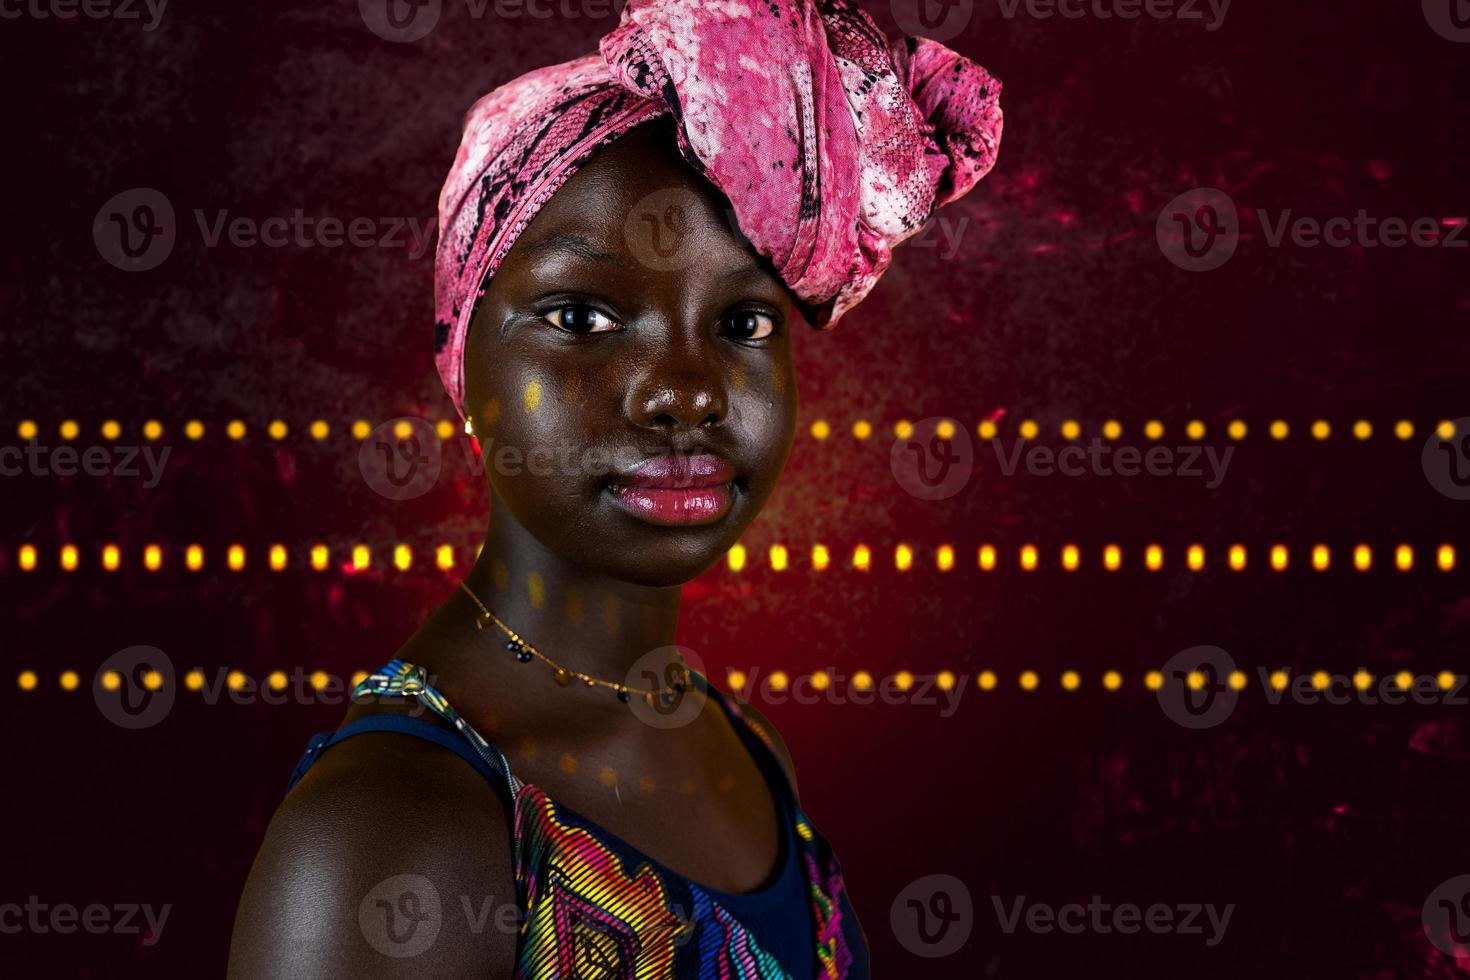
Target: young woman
{"points": [[541, 787]]}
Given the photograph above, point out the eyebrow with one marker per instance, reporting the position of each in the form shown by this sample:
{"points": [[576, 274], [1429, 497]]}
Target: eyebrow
{"points": [[572, 244]]}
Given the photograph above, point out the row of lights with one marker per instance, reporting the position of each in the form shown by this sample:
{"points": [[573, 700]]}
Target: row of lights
{"points": [[779, 680], [820, 429], [987, 557]]}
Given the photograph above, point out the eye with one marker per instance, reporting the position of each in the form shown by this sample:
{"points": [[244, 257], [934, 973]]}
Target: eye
{"points": [[749, 325], [579, 318]]}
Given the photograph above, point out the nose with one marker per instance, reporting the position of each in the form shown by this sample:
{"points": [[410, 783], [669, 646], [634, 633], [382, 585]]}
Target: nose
{"points": [[678, 393]]}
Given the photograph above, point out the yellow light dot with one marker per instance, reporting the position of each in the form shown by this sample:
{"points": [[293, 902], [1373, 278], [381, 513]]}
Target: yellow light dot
{"points": [[1153, 558], [1070, 557], [903, 680], [235, 680], [944, 558], [1070, 429], [1362, 557], [778, 680], [1195, 680], [1028, 557], [1362, 429], [607, 777], [27, 429], [1237, 680], [1279, 680], [821, 557], [194, 680], [1112, 429], [1071, 680], [862, 428], [1321, 679], [1194, 557], [320, 429], [862, 558], [1279, 557], [735, 557], [69, 557], [1445, 429], [358, 678], [361, 557], [821, 680], [111, 429], [1321, 430], [320, 556], [235, 557], [402, 557], [903, 428], [445, 429], [1403, 557], [1236, 429], [1404, 429], [69, 680], [1237, 557], [111, 680], [1029, 680], [277, 557], [986, 680], [69, 430], [1321, 557], [1112, 557], [1153, 680], [735, 679], [194, 557], [987, 557], [152, 430], [945, 429], [27, 557], [444, 556], [946, 680], [1446, 680], [403, 430], [153, 680], [1446, 557], [1028, 429], [1362, 680], [235, 430], [111, 557], [1280, 430], [361, 429], [862, 680], [27, 680], [276, 430], [277, 679], [1112, 680], [1403, 679], [194, 429], [1195, 429], [531, 398], [903, 557], [1153, 429], [986, 429]]}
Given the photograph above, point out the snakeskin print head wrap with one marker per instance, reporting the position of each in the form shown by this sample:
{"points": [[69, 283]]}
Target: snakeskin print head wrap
{"points": [[832, 144]]}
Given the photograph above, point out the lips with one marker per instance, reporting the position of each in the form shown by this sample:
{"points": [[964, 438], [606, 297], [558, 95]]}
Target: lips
{"points": [[676, 491]]}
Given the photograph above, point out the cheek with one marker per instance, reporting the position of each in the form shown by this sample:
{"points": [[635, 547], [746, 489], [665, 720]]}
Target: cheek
{"points": [[541, 435]]}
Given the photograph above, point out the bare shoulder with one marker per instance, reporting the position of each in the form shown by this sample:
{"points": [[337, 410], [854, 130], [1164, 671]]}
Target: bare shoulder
{"points": [[772, 736], [391, 857]]}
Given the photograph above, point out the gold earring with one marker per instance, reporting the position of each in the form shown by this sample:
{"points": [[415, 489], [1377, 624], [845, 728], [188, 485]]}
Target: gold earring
{"points": [[469, 427]]}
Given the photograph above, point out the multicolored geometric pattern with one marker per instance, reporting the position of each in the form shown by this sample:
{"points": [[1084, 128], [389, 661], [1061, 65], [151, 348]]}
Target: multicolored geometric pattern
{"points": [[595, 909]]}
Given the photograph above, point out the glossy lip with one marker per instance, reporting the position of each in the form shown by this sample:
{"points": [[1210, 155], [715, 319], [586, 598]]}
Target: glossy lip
{"points": [[675, 490]]}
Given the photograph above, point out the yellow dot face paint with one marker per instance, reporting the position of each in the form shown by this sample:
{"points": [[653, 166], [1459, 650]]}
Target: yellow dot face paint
{"points": [[574, 606], [610, 614], [532, 396], [500, 574], [536, 590]]}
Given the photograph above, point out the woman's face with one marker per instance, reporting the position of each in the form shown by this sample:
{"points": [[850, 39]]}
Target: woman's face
{"points": [[629, 370]]}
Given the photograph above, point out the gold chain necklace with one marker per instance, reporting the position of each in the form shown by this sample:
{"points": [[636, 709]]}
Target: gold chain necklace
{"points": [[525, 653]]}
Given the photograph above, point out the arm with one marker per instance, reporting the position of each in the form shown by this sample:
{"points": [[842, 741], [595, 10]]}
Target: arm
{"points": [[381, 830]]}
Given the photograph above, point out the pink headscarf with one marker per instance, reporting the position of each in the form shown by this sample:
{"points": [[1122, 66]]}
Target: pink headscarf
{"points": [[832, 145]]}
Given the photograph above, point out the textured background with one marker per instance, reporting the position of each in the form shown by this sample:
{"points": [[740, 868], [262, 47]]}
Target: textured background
{"points": [[1326, 826]]}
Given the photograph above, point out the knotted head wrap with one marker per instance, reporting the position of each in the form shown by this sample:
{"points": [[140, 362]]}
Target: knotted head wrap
{"points": [[831, 144]]}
